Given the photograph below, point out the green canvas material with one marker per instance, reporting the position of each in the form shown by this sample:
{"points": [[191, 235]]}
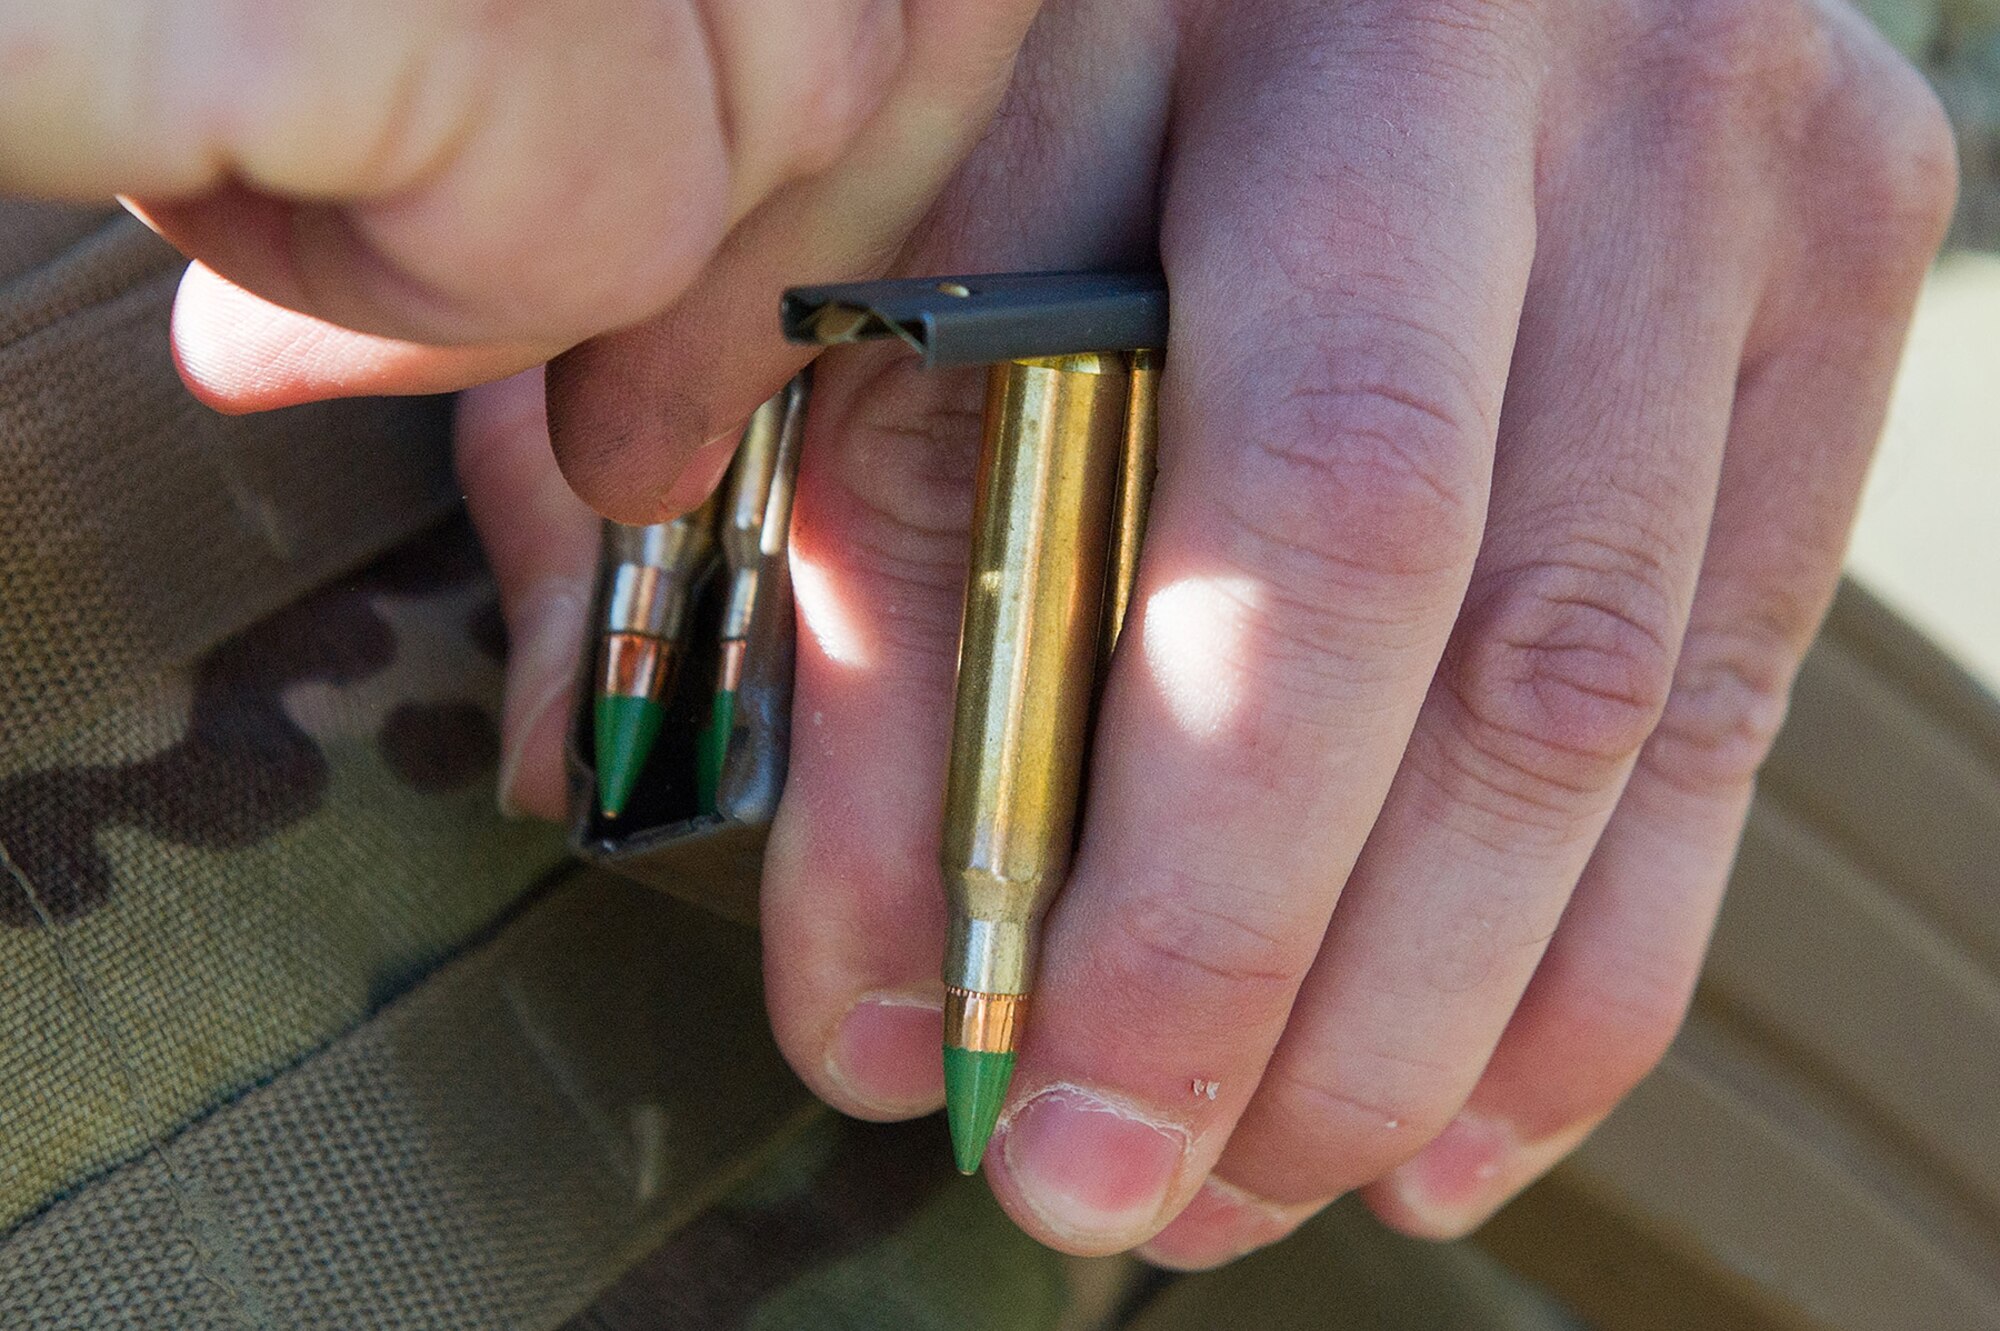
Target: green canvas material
{"points": [[489, 1150], [247, 731], [582, 1121]]}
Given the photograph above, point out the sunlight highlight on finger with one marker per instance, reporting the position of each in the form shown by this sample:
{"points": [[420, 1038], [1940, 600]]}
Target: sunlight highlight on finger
{"points": [[823, 614], [1194, 633]]}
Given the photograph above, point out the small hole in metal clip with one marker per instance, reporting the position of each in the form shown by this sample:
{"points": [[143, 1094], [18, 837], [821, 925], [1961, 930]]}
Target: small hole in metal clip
{"points": [[958, 289]]}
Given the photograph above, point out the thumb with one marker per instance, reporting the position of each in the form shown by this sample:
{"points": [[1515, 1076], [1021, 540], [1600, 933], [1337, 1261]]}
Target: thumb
{"points": [[238, 352]]}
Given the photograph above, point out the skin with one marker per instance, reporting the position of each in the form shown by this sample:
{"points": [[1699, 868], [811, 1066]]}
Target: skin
{"points": [[1526, 363]]}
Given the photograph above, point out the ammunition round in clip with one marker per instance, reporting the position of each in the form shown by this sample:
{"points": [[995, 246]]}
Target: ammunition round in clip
{"points": [[1027, 665]]}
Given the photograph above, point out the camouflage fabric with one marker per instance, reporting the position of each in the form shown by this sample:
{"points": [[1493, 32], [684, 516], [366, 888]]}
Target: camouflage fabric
{"points": [[488, 1151], [583, 1123], [856, 1227], [245, 755]]}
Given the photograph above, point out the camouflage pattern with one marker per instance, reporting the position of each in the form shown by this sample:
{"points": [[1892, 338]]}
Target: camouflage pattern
{"points": [[855, 1227], [248, 726]]}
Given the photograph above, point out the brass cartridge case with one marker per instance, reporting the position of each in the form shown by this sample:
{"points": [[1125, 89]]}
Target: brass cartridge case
{"points": [[748, 493], [1028, 654], [1137, 462], [654, 571]]}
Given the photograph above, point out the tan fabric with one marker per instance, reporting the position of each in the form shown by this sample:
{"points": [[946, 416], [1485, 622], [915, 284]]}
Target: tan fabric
{"points": [[1819, 1147], [137, 527], [497, 1147]]}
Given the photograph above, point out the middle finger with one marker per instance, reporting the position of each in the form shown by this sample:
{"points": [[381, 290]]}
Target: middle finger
{"points": [[1329, 408]]}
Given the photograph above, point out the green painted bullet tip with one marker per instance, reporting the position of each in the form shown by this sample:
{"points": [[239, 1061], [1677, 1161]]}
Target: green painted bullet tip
{"points": [[626, 729], [714, 747], [975, 1085]]}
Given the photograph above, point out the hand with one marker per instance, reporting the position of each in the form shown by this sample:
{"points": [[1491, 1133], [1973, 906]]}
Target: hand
{"points": [[1526, 361], [429, 194]]}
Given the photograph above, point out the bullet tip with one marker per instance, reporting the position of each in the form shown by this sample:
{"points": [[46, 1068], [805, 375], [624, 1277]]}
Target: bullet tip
{"points": [[713, 748], [626, 729], [975, 1086]]}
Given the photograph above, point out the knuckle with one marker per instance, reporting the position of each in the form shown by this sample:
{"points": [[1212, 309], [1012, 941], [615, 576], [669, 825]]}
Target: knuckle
{"points": [[1463, 36], [1730, 694], [1900, 176], [1725, 48], [1613, 1036], [901, 458], [1562, 671], [893, 496], [1723, 74], [1490, 943], [1189, 950], [793, 110], [829, 101], [1365, 485]]}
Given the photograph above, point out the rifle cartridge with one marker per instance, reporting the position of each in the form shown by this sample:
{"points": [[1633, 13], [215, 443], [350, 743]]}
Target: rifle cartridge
{"points": [[1137, 461], [1053, 432], [654, 572], [755, 517]]}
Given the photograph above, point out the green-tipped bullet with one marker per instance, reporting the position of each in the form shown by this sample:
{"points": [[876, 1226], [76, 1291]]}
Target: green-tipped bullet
{"points": [[975, 1086], [626, 729], [712, 748], [979, 1035], [756, 518], [652, 577]]}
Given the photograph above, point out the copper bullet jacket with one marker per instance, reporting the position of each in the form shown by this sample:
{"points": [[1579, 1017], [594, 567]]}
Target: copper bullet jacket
{"points": [[982, 1023], [634, 665]]}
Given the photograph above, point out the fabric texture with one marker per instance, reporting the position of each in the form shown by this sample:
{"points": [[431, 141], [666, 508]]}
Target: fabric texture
{"points": [[245, 754], [489, 1151]]}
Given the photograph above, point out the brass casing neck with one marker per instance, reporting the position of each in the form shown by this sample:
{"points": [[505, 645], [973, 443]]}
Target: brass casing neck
{"points": [[654, 570]]}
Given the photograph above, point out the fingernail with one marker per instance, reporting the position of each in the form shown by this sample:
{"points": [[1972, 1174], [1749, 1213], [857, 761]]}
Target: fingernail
{"points": [[1093, 1170], [545, 637], [884, 1056], [1469, 1170], [1222, 1223]]}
